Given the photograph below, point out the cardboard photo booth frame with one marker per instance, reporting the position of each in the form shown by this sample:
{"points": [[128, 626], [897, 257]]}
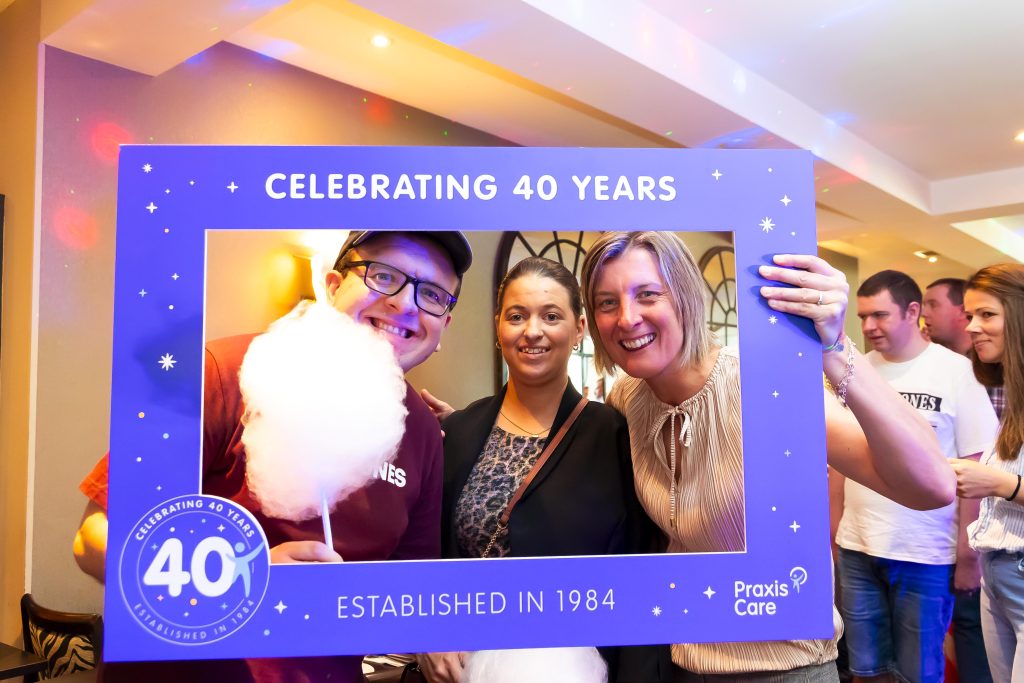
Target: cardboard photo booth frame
{"points": [[188, 574]]}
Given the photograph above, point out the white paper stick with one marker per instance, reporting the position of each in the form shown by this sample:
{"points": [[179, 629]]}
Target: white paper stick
{"points": [[325, 514]]}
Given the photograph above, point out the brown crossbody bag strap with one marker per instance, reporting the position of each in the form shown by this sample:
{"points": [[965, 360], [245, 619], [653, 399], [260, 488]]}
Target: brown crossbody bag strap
{"points": [[502, 525]]}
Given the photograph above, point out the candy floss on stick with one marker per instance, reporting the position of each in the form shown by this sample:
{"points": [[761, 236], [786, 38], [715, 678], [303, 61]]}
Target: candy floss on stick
{"points": [[324, 410]]}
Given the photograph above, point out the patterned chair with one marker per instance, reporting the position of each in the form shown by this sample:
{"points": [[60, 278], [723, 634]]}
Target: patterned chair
{"points": [[69, 641]]}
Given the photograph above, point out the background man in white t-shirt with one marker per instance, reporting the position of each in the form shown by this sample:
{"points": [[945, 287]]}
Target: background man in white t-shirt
{"points": [[899, 567]]}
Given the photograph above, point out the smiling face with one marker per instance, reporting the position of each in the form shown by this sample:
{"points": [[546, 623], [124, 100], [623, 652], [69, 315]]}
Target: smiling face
{"points": [[987, 322], [635, 316], [889, 330], [412, 333], [537, 330]]}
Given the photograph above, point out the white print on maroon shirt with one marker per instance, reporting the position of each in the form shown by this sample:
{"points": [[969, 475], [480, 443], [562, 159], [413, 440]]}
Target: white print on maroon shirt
{"points": [[391, 474]]}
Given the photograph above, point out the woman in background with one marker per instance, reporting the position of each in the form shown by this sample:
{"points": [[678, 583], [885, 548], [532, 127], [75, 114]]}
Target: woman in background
{"points": [[994, 303], [645, 301], [582, 500]]}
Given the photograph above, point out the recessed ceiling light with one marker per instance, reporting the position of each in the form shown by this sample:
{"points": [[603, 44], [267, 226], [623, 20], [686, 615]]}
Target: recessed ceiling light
{"points": [[380, 40], [1020, 136], [929, 256]]}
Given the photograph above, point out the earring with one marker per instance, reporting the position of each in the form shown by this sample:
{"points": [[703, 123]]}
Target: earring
{"points": [[497, 344], [576, 347]]}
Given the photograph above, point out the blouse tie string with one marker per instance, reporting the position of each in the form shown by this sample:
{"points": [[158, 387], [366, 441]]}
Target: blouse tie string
{"points": [[685, 432]]}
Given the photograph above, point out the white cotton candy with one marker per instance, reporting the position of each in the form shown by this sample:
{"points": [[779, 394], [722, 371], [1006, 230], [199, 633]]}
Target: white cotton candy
{"points": [[548, 665], [324, 410]]}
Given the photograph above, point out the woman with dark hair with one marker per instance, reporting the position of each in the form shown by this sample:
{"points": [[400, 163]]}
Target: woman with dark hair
{"points": [[994, 303], [645, 300], [580, 500]]}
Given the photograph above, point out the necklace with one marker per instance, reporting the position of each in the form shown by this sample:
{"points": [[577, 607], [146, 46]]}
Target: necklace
{"points": [[521, 428]]}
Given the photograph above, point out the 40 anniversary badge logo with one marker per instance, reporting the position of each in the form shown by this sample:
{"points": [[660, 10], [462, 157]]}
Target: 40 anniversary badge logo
{"points": [[194, 569]]}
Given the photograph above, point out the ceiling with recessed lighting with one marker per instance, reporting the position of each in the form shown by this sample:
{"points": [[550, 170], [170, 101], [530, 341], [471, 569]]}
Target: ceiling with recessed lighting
{"points": [[911, 108]]}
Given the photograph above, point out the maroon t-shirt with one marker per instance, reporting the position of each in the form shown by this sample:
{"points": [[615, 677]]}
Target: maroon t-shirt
{"points": [[396, 517]]}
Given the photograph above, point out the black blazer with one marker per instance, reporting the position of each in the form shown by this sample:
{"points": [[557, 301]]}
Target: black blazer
{"points": [[582, 502]]}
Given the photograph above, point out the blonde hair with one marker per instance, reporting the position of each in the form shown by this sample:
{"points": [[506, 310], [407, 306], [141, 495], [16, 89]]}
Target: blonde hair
{"points": [[684, 282], [1006, 283]]}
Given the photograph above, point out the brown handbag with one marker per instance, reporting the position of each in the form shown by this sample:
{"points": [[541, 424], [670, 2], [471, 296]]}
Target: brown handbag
{"points": [[502, 525]]}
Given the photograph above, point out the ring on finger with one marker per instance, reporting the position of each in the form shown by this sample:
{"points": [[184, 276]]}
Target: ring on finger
{"points": [[821, 299]]}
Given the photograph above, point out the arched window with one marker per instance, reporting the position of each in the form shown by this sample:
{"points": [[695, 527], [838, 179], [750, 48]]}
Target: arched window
{"points": [[717, 264]]}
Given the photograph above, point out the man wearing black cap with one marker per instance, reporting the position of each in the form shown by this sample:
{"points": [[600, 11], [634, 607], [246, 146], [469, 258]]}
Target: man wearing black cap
{"points": [[404, 285]]}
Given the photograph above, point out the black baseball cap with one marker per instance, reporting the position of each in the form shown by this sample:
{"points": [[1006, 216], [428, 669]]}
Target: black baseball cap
{"points": [[452, 241]]}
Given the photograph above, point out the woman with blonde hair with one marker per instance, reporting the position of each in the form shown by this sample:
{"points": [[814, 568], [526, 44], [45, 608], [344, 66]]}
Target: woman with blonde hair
{"points": [[645, 301], [994, 303]]}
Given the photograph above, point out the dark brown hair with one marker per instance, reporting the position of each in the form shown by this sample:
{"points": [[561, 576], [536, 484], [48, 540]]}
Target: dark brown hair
{"points": [[901, 288], [954, 289], [1006, 283], [542, 267]]}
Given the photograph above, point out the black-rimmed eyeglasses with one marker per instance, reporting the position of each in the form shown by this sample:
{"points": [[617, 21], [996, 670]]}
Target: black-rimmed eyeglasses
{"points": [[388, 280]]}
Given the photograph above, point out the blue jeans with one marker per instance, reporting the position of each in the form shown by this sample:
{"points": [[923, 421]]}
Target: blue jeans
{"points": [[897, 614], [971, 660], [1002, 614]]}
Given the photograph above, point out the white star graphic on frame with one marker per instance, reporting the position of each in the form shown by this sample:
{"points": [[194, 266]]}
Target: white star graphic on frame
{"points": [[785, 200], [767, 224], [656, 611], [794, 526], [280, 607], [709, 592], [167, 361], [717, 174], [151, 208], [146, 168], [143, 292], [232, 187], [772, 319]]}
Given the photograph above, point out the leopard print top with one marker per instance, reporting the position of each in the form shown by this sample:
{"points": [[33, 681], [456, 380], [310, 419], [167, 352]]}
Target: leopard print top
{"points": [[498, 472]]}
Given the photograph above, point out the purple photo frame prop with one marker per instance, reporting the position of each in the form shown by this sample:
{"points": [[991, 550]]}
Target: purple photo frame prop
{"points": [[165, 534]]}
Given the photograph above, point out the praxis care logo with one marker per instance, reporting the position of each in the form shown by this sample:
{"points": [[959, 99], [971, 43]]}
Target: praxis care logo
{"points": [[762, 599]]}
